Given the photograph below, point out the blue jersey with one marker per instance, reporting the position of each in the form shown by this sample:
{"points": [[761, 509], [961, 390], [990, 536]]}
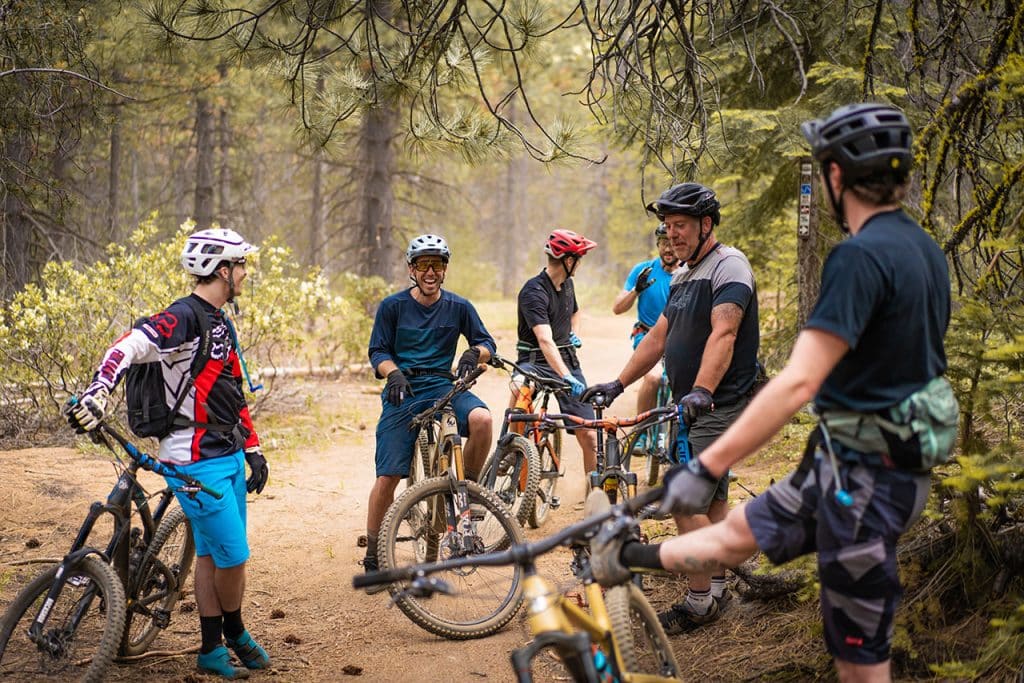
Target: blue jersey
{"points": [[424, 338], [651, 302]]}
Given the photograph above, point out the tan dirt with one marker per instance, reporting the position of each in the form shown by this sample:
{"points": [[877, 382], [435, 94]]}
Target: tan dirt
{"points": [[303, 532]]}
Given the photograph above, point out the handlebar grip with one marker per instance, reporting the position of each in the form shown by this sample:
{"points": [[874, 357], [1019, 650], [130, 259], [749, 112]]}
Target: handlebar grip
{"points": [[213, 492], [377, 578]]}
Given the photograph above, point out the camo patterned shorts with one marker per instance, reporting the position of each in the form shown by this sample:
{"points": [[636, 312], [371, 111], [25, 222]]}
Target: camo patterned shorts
{"points": [[856, 546]]}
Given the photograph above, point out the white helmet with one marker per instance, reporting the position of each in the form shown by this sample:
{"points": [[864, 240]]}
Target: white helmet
{"points": [[427, 245], [206, 248]]}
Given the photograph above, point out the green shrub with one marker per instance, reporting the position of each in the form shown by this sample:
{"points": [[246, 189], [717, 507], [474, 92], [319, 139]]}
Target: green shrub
{"points": [[52, 335]]}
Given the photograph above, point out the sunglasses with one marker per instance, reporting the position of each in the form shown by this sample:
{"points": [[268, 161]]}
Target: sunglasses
{"points": [[437, 265]]}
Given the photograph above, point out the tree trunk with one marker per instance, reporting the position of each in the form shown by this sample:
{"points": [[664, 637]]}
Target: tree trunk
{"points": [[223, 167], [808, 259], [114, 179], [376, 156], [205, 151], [597, 225], [317, 234], [17, 230]]}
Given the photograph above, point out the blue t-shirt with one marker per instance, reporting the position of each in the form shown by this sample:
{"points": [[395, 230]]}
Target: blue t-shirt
{"points": [[420, 337], [650, 302], [723, 276], [885, 291]]}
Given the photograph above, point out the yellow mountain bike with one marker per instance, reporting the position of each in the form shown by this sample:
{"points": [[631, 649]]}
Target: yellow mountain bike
{"points": [[616, 637]]}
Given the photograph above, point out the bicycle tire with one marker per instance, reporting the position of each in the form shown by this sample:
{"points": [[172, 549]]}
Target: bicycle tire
{"points": [[638, 635], [102, 626], [160, 580], [415, 530], [503, 473], [551, 470]]}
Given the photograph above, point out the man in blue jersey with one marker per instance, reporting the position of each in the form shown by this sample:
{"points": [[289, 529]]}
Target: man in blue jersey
{"points": [[648, 284], [412, 344]]}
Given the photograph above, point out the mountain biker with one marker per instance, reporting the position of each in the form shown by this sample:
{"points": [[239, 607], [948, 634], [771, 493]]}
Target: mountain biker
{"points": [[647, 284], [708, 334], [412, 344], [548, 318], [212, 440], [872, 347]]}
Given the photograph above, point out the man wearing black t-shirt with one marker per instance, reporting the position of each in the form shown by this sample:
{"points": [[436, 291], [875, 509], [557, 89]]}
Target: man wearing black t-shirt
{"points": [[708, 334], [873, 341], [548, 315]]}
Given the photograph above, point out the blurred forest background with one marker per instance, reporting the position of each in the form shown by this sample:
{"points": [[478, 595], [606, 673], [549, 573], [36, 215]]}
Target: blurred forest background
{"points": [[333, 131]]}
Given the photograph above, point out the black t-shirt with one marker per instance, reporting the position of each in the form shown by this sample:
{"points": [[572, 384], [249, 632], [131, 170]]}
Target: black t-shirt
{"points": [[723, 276], [885, 291], [541, 304]]}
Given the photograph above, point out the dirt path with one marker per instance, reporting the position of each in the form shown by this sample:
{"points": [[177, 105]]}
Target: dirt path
{"points": [[303, 533]]}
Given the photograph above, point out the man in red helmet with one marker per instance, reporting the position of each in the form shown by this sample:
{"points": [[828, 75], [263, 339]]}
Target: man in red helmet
{"points": [[708, 334], [548, 319]]}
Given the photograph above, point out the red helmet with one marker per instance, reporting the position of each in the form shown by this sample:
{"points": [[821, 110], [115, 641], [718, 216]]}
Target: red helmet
{"points": [[567, 243]]}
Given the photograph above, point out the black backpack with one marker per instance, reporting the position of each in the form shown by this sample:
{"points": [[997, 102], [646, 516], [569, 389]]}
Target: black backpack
{"points": [[148, 412]]}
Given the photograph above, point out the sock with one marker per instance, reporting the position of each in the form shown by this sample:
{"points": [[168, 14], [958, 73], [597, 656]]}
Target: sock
{"points": [[233, 626], [642, 555], [371, 544], [471, 475], [717, 586], [212, 629], [699, 601]]}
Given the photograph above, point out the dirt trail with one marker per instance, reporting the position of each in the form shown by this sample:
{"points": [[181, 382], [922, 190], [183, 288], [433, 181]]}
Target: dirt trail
{"points": [[303, 533]]}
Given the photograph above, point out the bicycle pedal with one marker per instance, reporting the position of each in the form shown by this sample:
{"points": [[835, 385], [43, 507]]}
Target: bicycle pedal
{"points": [[361, 542], [161, 618], [556, 502]]}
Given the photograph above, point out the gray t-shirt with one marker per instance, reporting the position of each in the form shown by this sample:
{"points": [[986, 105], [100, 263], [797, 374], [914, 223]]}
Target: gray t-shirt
{"points": [[723, 276]]}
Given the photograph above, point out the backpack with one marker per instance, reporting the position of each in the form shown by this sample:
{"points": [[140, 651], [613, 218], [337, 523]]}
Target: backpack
{"points": [[148, 412]]}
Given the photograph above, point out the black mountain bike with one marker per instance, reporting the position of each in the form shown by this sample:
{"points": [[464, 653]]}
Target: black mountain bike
{"points": [[71, 620]]}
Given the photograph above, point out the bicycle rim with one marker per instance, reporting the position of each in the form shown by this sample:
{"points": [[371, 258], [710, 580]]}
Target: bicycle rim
{"points": [[638, 635], [415, 530], [516, 477], [551, 469], [160, 581], [79, 652]]}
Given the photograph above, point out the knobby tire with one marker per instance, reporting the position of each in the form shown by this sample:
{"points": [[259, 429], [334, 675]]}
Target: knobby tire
{"points": [[160, 580], [550, 452], [88, 650], [505, 467], [639, 637], [414, 530]]}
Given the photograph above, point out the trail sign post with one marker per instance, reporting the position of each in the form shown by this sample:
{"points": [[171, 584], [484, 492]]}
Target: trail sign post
{"points": [[808, 259]]}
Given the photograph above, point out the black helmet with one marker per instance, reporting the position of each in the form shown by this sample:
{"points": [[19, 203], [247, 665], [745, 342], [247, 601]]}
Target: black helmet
{"points": [[660, 231], [864, 139], [689, 199]]}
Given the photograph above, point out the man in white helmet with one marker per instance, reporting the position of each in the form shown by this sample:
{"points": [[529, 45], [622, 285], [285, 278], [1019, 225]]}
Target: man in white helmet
{"points": [[209, 434], [415, 334]]}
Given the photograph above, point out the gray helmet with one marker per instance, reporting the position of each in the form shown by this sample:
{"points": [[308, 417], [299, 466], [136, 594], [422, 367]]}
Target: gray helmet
{"points": [[427, 245], [660, 231], [864, 139], [205, 249], [688, 199]]}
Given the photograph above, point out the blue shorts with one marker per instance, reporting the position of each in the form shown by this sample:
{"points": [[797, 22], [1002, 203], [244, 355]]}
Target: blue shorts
{"points": [[396, 442], [218, 526], [566, 403], [856, 546]]}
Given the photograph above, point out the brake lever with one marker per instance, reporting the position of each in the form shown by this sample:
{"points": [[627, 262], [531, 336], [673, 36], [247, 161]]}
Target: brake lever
{"points": [[424, 587]]}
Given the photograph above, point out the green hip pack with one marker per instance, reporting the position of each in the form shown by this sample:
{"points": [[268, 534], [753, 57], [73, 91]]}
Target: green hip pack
{"points": [[931, 414]]}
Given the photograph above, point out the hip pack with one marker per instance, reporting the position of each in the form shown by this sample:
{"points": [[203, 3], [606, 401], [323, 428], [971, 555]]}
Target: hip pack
{"points": [[930, 414]]}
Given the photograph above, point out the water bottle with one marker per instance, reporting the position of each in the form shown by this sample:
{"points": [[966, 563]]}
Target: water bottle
{"points": [[603, 666]]}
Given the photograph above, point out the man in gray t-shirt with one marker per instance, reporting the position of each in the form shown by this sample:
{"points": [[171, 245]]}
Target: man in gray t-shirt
{"points": [[708, 334]]}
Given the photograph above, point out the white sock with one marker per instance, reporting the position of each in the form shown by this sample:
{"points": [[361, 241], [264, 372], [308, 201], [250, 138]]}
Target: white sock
{"points": [[717, 586], [699, 601]]}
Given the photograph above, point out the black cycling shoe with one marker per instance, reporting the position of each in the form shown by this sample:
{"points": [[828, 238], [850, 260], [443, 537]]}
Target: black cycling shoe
{"points": [[370, 565]]}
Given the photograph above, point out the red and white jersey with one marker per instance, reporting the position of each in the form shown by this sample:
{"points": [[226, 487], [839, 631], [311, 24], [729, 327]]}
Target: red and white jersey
{"points": [[172, 337]]}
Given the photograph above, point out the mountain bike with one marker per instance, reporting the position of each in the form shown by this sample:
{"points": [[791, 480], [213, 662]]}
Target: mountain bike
{"points": [[73, 618], [526, 464], [446, 516], [658, 439], [617, 637]]}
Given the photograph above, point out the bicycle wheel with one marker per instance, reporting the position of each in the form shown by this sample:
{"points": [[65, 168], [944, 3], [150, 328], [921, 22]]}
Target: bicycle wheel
{"points": [[415, 529], [513, 473], [551, 470], [638, 635], [159, 582], [81, 633]]}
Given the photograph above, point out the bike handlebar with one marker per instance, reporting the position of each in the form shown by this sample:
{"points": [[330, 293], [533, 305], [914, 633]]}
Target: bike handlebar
{"points": [[460, 385], [519, 553], [605, 423], [547, 383]]}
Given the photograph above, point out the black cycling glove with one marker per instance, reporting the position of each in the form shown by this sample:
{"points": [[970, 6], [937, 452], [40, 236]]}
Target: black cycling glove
{"points": [[696, 403], [610, 390], [397, 388], [642, 282], [468, 362]]}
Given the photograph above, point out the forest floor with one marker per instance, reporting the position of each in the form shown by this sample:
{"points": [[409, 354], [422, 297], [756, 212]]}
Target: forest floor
{"points": [[299, 602]]}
